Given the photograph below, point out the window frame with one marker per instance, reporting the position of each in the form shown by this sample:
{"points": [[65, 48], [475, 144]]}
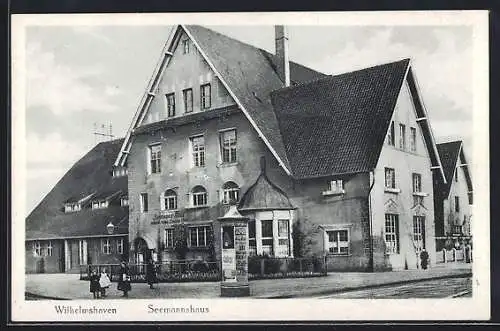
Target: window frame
{"points": [[168, 241], [170, 101], [230, 146], [124, 201], [262, 237], [186, 47], [144, 203], [331, 249], [155, 158], [206, 232], [119, 245], [49, 248], [413, 139], [198, 151], [196, 196], [402, 136], [283, 237], [416, 182], [37, 248], [185, 97], [393, 226], [419, 232], [228, 191], [106, 246], [204, 104], [457, 204], [391, 136], [393, 178], [252, 248], [167, 196]]}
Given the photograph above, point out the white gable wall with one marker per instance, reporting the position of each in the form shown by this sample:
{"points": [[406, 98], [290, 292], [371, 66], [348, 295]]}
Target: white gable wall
{"points": [[402, 202]]}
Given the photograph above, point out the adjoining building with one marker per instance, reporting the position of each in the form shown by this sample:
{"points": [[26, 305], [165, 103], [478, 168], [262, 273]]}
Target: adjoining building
{"points": [[83, 219], [453, 198], [340, 165]]}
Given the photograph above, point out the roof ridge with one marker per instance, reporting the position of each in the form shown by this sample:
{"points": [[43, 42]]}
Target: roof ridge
{"points": [[337, 75]]}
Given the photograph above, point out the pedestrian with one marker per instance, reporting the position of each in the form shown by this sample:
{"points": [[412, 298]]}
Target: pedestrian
{"points": [[104, 282], [424, 259], [94, 283], [124, 282], [151, 273]]}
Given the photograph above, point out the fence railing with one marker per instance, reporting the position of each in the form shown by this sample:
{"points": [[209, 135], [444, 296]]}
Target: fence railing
{"points": [[196, 270], [285, 267]]}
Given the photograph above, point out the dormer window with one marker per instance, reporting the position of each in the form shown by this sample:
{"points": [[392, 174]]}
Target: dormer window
{"points": [[118, 172], [124, 201], [99, 204], [72, 207]]}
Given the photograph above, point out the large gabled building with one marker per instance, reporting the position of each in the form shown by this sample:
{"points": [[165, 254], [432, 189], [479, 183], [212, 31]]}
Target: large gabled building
{"points": [[70, 227], [346, 161]]}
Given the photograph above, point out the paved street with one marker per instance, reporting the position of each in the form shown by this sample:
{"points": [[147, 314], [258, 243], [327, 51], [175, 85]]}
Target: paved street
{"points": [[443, 288], [68, 286]]}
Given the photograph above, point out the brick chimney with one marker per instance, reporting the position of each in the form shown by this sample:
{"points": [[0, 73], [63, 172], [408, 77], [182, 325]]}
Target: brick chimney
{"points": [[283, 65]]}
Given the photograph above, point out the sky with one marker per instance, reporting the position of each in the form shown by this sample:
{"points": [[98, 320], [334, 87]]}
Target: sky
{"points": [[81, 75]]}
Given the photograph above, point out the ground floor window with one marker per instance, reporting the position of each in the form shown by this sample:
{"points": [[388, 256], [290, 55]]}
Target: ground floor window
{"points": [[37, 248], [419, 233], [119, 246], [106, 246], [252, 243], [169, 238], [267, 237], [273, 239], [338, 242], [283, 238], [49, 248], [198, 235], [391, 235]]}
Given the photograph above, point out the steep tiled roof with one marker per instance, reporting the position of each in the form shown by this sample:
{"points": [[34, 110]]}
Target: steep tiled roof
{"points": [[91, 174], [450, 152], [337, 124]]}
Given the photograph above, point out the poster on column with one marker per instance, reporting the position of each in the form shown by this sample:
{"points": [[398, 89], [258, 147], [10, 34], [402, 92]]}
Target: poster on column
{"points": [[229, 265]]}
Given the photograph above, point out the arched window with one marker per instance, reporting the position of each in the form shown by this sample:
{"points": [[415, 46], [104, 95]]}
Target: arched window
{"points": [[231, 193], [199, 196], [170, 197]]}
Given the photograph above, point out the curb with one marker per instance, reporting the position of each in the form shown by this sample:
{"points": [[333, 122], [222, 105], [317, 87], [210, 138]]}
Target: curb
{"points": [[365, 287], [38, 296]]}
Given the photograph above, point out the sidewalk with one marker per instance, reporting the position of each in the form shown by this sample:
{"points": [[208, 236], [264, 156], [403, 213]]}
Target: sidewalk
{"points": [[68, 286]]}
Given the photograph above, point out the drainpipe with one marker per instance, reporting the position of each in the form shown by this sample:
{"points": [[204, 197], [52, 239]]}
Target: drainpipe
{"points": [[370, 220]]}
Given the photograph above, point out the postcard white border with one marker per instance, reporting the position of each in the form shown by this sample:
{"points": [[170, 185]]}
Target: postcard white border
{"points": [[475, 308]]}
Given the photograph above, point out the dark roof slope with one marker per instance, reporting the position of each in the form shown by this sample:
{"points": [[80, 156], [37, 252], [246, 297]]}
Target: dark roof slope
{"points": [[92, 174], [449, 153], [251, 75], [337, 125]]}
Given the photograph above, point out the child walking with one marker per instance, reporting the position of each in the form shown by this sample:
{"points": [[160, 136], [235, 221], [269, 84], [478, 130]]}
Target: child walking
{"points": [[104, 282], [94, 284]]}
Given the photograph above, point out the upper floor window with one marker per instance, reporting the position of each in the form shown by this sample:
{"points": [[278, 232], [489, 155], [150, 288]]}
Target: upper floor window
{"points": [[417, 183], [231, 192], [199, 196], [106, 246], [390, 135], [413, 139], [457, 204], [336, 185], [228, 146], [185, 46], [198, 151], [170, 104], [206, 97], [124, 201], [402, 136], [338, 242], [99, 204], [155, 158], [144, 203], [390, 178], [188, 100], [170, 200]]}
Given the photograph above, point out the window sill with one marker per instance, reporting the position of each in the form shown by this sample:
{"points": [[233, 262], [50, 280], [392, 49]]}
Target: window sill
{"points": [[332, 193], [227, 164], [196, 207], [338, 255], [392, 190], [420, 194]]}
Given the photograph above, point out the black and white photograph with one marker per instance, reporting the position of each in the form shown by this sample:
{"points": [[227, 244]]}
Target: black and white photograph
{"points": [[201, 167]]}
